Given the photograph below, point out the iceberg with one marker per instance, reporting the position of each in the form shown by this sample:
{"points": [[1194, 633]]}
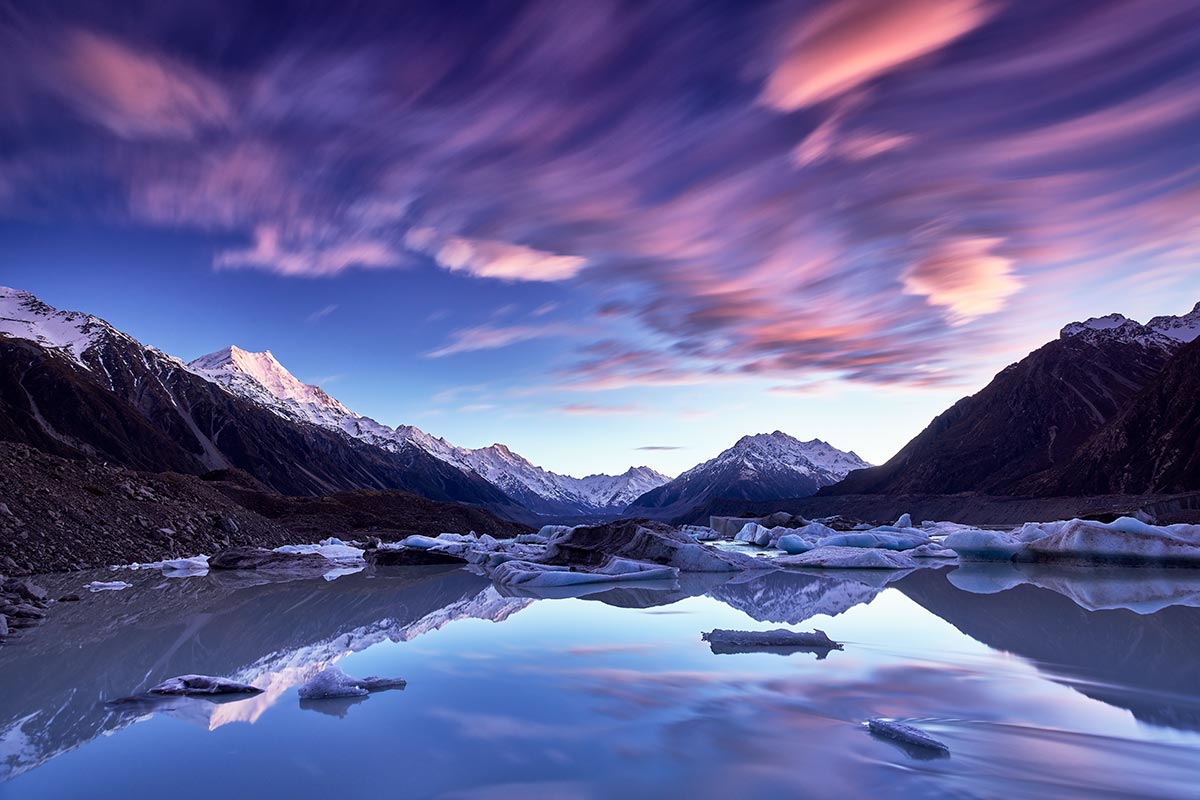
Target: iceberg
{"points": [[332, 550], [848, 558], [106, 586], [905, 521], [980, 545], [1126, 540], [887, 541], [793, 544], [754, 533], [701, 533], [533, 574], [332, 682]]}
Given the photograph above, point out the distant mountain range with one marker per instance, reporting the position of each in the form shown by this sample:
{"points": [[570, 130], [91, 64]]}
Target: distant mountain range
{"points": [[72, 384], [767, 466], [1108, 407]]}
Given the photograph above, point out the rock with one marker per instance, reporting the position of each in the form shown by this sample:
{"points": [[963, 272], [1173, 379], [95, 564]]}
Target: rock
{"points": [[332, 682], [69, 598], [24, 611], [3, 626], [4, 511], [202, 685], [409, 557], [25, 588], [264, 559], [229, 525], [906, 735], [649, 542]]}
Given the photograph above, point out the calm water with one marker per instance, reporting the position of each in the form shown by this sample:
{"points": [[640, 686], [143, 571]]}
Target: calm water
{"points": [[1043, 684]]}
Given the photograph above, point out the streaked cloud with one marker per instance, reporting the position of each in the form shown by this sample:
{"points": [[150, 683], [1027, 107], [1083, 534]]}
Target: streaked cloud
{"points": [[492, 337], [590, 410], [322, 313], [491, 259]]}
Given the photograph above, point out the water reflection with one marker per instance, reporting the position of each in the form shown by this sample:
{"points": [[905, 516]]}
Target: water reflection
{"points": [[610, 691]]}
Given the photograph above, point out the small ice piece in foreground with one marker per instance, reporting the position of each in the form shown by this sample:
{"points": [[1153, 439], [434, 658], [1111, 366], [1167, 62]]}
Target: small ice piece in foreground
{"points": [[203, 684], [333, 682], [106, 586], [905, 521], [780, 637], [906, 734], [793, 544]]}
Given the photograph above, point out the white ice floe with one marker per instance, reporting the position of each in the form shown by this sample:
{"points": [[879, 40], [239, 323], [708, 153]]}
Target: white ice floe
{"points": [[794, 543], [551, 532], [885, 540], [333, 682], [1126, 540], [905, 521], [701, 533], [780, 637], [334, 550], [980, 545], [535, 575], [753, 533], [849, 558], [106, 586]]}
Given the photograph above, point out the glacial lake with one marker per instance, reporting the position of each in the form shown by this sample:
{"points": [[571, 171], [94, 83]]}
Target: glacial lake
{"points": [[1042, 682]]}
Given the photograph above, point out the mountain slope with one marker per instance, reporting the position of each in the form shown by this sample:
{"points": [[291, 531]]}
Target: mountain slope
{"points": [[768, 466], [1034, 415], [1152, 445], [261, 379], [73, 385]]}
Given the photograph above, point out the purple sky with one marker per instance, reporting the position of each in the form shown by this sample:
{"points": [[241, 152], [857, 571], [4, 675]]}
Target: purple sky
{"points": [[586, 227]]}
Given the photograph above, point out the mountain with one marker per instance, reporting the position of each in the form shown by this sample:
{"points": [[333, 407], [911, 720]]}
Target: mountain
{"points": [[1036, 414], [768, 466], [74, 386], [1151, 446], [261, 379]]}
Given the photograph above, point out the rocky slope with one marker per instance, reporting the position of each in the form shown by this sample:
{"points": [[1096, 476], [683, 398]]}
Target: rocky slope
{"points": [[1152, 445], [62, 514], [1035, 414], [766, 466], [261, 379]]}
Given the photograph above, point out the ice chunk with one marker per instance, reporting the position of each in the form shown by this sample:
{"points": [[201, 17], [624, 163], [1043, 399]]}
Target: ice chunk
{"points": [[931, 550], [202, 685], [905, 521], [887, 541], [701, 533], [780, 637], [794, 543], [418, 542], [106, 586], [906, 735], [1124, 540], [333, 682], [980, 545], [335, 553], [754, 533], [552, 532], [532, 574], [531, 538], [848, 558], [188, 566]]}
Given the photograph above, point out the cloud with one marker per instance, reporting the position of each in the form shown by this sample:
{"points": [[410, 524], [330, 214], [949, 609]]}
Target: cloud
{"points": [[492, 337], [490, 259], [589, 410], [850, 43], [138, 94], [658, 447], [307, 259], [965, 277], [544, 309], [322, 313]]}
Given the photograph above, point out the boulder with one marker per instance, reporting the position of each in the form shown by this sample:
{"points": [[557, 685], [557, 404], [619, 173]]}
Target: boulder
{"points": [[3, 627], [332, 682], [25, 588], [650, 542], [202, 685], [261, 558]]}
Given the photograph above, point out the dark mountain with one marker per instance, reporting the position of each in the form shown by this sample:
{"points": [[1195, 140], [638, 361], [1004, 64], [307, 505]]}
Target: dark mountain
{"points": [[1033, 416], [768, 466], [1152, 445], [74, 386]]}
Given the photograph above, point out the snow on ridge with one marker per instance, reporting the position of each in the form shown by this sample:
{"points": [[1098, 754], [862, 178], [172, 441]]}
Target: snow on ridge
{"points": [[779, 450], [1183, 328], [73, 333]]}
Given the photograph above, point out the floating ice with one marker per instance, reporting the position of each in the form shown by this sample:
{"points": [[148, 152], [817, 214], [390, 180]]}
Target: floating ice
{"points": [[905, 521], [701, 533], [333, 682], [848, 558], [780, 637], [887, 541], [106, 586], [332, 550], [979, 545], [794, 543], [532, 574]]}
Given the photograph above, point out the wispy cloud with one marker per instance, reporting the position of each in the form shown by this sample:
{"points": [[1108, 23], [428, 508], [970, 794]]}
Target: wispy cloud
{"points": [[492, 337], [658, 447], [590, 410], [322, 313]]}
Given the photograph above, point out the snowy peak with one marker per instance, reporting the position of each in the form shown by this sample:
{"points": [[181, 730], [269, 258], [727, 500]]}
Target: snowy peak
{"points": [[1165, 331], [72, 333], [1184, 328], [264, 368], [778, 449]]}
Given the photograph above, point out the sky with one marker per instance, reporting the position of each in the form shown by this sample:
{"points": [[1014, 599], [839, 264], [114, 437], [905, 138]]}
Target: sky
{"points": [[608, 233]]}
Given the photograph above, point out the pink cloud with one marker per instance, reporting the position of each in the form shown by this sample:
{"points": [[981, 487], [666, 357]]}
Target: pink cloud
{"points": [[965, 277], [138, 94], [306, 258], [850, 43], [491, 259]]}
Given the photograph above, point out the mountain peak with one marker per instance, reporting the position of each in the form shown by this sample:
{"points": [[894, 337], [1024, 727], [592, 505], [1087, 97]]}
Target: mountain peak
{"points": [[23, 315], [233, 365], [1183, 328]]}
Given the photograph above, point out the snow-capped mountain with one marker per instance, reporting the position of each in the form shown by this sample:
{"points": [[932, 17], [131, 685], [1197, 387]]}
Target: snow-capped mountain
{"points": [[260, 378], [767, 466], [1036, 414], [80, 388]]}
